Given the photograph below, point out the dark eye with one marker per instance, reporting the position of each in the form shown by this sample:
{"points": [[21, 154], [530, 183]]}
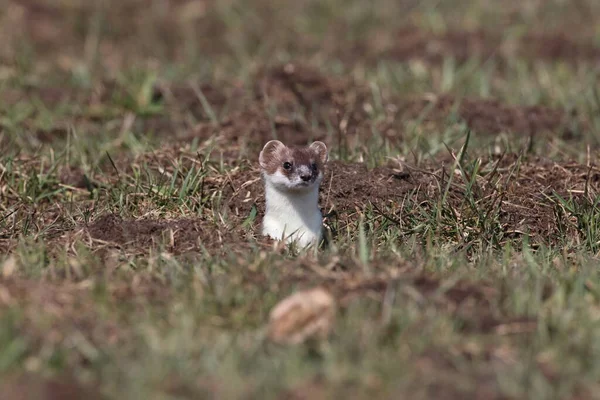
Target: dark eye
{"points": [[314, 166], [287, 165]]}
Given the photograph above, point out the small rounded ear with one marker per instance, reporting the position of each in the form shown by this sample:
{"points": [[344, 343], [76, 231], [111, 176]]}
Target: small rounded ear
{"points": [[321, 150], [271, 148]]}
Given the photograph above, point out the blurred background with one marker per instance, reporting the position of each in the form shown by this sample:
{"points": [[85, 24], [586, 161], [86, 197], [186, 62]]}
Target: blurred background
{"points": [[227, 38]]}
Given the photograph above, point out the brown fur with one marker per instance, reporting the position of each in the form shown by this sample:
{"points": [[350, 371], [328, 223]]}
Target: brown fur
{"points": [[275, 154]]}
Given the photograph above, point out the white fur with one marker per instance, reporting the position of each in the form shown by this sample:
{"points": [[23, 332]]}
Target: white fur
{"points": [[292, 212]]}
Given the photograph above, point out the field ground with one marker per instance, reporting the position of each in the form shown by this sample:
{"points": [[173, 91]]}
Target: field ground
{"points": [[462, 197]]}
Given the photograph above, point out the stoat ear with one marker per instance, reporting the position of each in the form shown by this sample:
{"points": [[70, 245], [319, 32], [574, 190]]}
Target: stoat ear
{"points": [[271, 148], [320, 149]]}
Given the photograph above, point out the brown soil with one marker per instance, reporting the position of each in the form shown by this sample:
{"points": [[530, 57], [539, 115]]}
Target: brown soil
{"points": [[490, 116], [76, 178], [413, 43], [526, 206], [254, 126], [312, 106], [346, 189], [292, 102], [33, 387], [521, 191], [461, 293], [517, 189], [177, 236]]}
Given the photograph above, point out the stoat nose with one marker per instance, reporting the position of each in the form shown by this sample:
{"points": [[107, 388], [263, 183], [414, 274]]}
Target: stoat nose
{"points": [[305, 177]]}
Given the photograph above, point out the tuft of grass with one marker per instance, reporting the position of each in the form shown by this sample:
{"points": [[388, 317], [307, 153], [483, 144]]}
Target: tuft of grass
{"points": [[583, 214]]}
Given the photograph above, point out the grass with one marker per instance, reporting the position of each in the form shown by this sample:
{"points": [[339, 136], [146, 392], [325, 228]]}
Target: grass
{"points": [[461, 193]]}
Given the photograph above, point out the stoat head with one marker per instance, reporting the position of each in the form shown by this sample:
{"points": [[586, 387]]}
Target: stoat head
{"points": [[293, 168]]}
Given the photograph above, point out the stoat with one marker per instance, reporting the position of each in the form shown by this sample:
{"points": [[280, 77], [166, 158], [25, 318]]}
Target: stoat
{"points": [[292, 176]]}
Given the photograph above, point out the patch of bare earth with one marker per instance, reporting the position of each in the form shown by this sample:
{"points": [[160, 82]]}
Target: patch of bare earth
{"points": [[413, 43], [296, 104], [176, 236], [292, 102], [346, 190], [490, 116], [519, 193], [34, 387]]}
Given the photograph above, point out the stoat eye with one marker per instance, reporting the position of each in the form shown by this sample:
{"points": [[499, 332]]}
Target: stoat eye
{"points": [[314, 166], [287, 165]]}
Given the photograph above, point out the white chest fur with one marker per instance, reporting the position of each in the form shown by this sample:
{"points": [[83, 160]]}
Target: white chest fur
{"points": [[292, 216]]}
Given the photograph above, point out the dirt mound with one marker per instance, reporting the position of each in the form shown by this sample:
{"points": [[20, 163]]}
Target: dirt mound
{"points": [[348, 186], [146, 233], [557, 46], [254, 126], [510, 197], [296, 104], [518, 196], [527, 205], [297, 83], [177, 236], [339, 103], [413, 43], [513, 197], [292, 102], [346, 189], [490, 116]]}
